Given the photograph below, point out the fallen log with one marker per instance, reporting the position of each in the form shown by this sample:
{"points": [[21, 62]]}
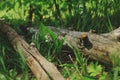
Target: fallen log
{"points": [[41, 68], [104, 47]]}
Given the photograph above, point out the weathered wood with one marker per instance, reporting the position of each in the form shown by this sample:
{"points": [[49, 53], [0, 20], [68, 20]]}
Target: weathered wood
{"points": [[42, 69], [101, 47]]}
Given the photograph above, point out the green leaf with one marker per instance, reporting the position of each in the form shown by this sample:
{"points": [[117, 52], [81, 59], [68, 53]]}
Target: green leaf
{"points": [[86, 78], [94, 69]]}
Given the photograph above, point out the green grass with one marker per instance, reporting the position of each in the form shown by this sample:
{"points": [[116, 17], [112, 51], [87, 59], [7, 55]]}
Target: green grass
{"points": [[83, 16], [78, 69], [47, 42]]}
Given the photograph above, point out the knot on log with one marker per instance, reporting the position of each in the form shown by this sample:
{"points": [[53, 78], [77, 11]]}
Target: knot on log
{"points": [[85, 42]]}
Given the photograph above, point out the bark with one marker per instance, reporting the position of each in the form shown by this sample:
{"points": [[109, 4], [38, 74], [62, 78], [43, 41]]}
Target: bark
{"points": [[41, 68], [100, 47]]}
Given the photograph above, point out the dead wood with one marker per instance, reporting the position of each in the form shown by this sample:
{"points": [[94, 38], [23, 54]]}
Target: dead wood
{"points": [[42, 69], [104, 48]]}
